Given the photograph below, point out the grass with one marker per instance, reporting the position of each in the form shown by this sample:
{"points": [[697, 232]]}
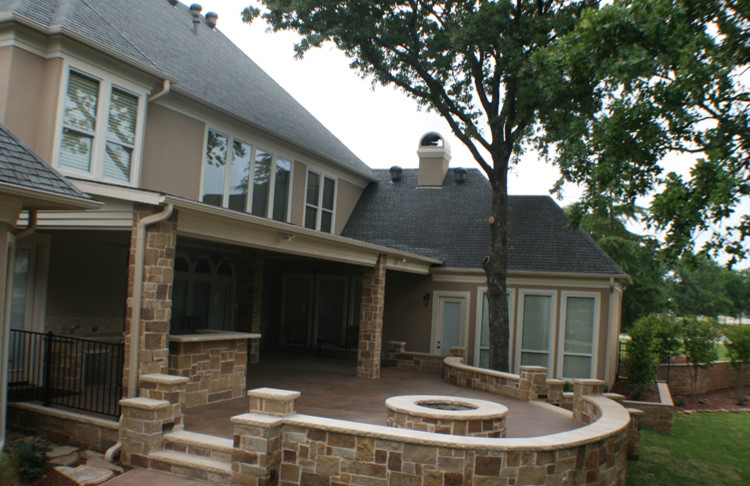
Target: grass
{"points": [[704, 449]]}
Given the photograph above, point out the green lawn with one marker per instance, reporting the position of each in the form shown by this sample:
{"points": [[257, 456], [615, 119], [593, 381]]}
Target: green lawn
{"points": [[704, 449]]}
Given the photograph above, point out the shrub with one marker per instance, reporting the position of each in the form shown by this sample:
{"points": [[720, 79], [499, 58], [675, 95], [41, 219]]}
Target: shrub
{"points": [[641, 362], [698, 336], [30, 454], [738, 347], [8, 470]]}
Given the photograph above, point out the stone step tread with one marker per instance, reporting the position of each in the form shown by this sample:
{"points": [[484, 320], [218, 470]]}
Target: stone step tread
{"points": [[192, 461], [205, 441]]}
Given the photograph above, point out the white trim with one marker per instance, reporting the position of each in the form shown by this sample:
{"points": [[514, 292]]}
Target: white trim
{"points": [[522, 293], [436, 331], [563, 323], [511, 294]]}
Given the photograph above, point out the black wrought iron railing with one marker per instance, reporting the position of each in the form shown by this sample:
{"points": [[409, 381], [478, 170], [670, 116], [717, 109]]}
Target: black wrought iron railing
{"points": [[82, 374]]}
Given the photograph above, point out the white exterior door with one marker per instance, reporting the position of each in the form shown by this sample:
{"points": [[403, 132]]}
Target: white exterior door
{"points": [[449, 322]]}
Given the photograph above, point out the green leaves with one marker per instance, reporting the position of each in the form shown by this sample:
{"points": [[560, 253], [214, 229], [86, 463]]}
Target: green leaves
{"points": [[671, 74]]}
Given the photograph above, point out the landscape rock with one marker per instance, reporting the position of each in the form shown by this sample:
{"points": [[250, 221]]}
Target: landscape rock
{"points": [[85, 475]]}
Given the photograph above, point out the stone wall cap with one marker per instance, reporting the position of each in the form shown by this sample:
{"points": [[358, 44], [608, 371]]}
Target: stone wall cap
{"points": [[533, 368], [582, 381], [66, 415], [614, 418], [144, 403], [273, 393], [213, 336], [163, 379], [258, 420], [458, 362]]}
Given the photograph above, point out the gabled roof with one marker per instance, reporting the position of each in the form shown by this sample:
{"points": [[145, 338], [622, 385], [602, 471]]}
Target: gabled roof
{"points": [[159, 38], [451, 223], [23, 172]]}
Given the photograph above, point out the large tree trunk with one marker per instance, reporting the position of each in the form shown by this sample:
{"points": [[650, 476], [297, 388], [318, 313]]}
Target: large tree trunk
{"points": [[496, 268]]}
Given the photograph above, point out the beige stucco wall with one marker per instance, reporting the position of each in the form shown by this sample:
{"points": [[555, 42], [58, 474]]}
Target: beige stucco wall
{"points": [[299, 180], [405, 317], [87, 280], [29, 91], [172, 152], [347, 197]]}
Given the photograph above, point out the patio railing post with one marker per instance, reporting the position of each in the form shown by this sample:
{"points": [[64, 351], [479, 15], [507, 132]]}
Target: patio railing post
{"points": [[47, 368]]}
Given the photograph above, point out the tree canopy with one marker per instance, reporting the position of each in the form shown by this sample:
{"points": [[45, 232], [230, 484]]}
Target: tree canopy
{"points": [[674, 80]]}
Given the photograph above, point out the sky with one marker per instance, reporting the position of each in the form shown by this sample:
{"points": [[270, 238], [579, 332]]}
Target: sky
{"points": [[381, 125]]}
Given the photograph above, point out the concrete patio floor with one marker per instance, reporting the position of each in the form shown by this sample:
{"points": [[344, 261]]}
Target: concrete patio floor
{"points": [[330, 389]]}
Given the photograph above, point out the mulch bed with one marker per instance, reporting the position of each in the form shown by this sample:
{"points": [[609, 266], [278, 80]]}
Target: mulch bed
{"points": [[716, 401]]}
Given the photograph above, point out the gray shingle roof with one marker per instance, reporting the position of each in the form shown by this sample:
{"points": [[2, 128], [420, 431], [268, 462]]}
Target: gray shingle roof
{"points": [[207, 66], [21, 167], [451, 223]]}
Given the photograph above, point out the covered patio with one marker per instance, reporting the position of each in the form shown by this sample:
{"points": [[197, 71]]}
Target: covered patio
{"points": [[330, 388]]}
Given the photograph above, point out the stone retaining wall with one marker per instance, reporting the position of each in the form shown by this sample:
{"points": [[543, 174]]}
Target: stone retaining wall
{"points": [[63, 426], [304, 450], [531, 384], [657, 416], [398, 356], [719, 376]]}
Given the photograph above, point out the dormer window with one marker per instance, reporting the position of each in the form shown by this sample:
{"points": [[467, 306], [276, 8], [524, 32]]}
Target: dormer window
{"points": [[239, 176], [319, 203], [99, 129]]}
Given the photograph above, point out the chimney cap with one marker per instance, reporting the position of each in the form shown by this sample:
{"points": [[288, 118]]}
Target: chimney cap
{"points": [[195, 9], [211, 18], [396, 172]]}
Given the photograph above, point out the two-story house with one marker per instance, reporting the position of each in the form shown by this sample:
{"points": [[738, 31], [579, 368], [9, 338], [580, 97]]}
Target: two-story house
{"points": [[227, 207]]}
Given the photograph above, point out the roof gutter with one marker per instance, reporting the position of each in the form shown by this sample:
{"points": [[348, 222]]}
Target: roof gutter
{"points": [[165, 87]]}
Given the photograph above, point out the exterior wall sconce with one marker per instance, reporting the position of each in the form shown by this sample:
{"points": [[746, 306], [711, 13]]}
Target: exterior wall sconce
{"points": [[426, 299], [287, 237]]}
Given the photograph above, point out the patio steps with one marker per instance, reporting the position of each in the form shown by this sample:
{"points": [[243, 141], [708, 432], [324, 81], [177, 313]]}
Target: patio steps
{"points": [[195, 456]]}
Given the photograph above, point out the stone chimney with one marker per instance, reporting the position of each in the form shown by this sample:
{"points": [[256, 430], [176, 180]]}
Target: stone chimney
{"points": [[434, 155]]}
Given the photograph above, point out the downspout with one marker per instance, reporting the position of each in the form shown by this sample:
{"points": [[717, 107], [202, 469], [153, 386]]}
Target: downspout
{"points": [[31, 227], [165, 87], [135, 318]]}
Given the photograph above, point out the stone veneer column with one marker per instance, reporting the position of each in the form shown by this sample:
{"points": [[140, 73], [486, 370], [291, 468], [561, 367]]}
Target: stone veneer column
{"points": [[249, 296], [533, 383], [156, 300], [371, 320]]}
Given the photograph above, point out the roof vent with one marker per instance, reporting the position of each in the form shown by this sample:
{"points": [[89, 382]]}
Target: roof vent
{"points": [[396, 173], [211, 18], [460, 174], [195, 10], [172, 2]]}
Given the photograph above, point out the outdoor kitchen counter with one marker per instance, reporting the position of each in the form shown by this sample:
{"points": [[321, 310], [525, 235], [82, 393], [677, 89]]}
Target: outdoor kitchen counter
{"points": [[215, 362]]}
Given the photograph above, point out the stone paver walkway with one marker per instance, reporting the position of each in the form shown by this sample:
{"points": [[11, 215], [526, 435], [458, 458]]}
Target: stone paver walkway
{"points": [[330, 389]]}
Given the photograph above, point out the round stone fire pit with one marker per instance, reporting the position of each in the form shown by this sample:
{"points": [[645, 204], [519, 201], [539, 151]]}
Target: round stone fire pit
{"points": [[447, 415]]}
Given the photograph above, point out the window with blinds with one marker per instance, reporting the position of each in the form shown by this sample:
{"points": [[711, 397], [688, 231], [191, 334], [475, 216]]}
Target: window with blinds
{"points": [[98, 129]]}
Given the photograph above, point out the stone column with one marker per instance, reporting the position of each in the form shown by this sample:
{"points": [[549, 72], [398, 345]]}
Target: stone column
{"points": [[142, 428], [250, 298], [582, 388], [371, 320], [165, 387], [533, 383], [156, 300]]}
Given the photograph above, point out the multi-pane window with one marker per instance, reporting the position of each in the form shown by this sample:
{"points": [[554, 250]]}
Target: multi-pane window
{"points": [[99, 125], [245, 178], [319, 203], [535, 334], [578, 347]]}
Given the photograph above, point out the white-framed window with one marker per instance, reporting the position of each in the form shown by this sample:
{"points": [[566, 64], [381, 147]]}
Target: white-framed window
{"points": [[320, 201], [202, 294], [240, 176], [536, 333], [579, 333], [482, 333], [100, 129]]}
